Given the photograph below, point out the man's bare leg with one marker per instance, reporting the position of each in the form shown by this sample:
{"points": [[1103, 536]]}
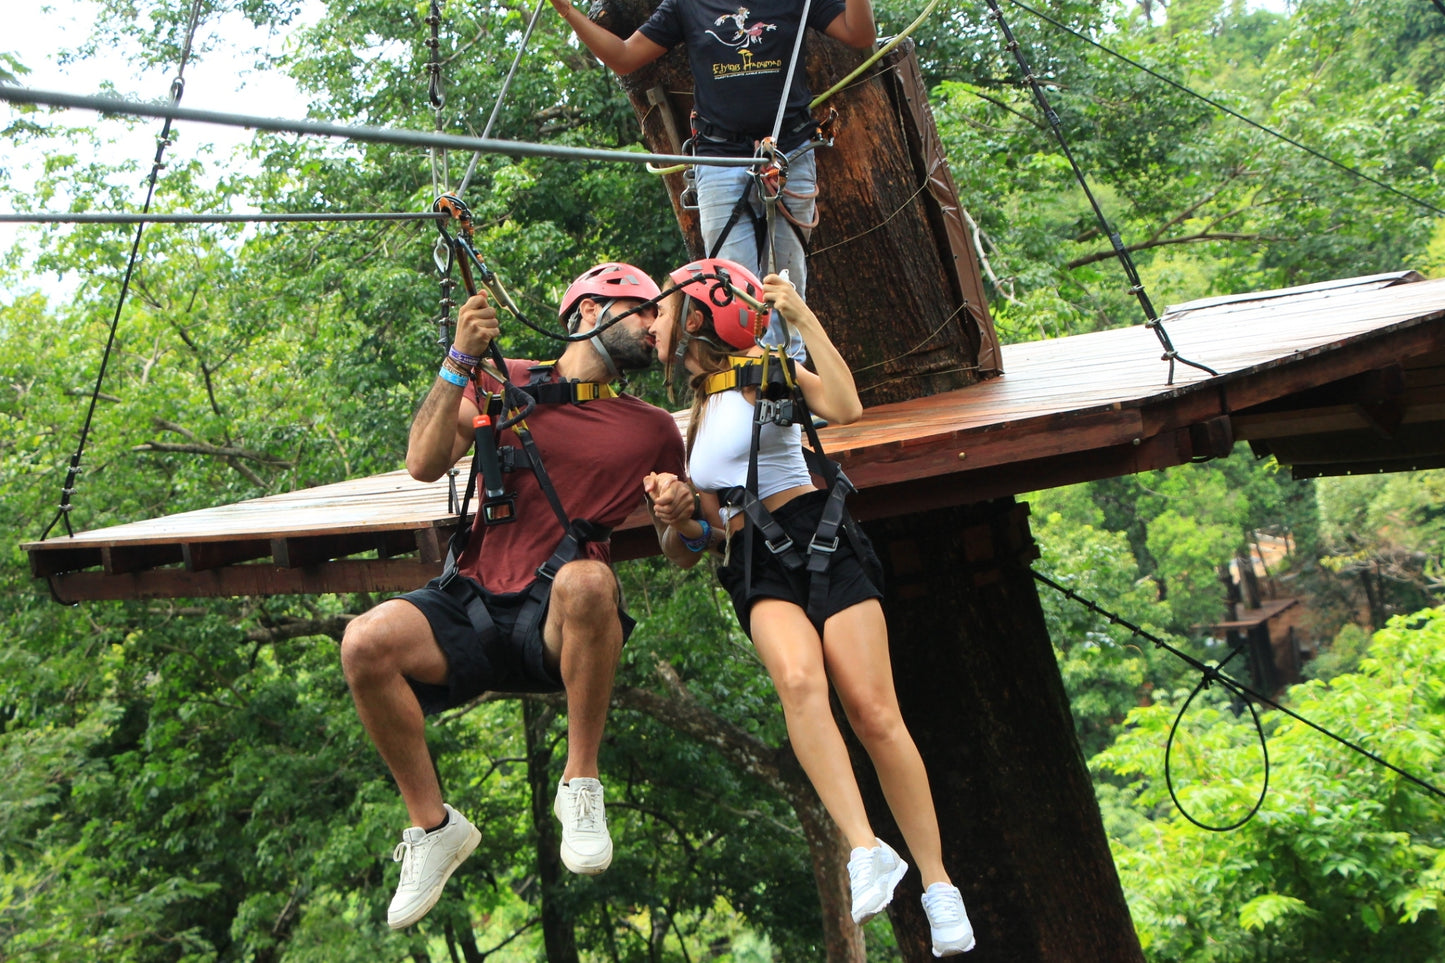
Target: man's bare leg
{"points": [[379, 651]]}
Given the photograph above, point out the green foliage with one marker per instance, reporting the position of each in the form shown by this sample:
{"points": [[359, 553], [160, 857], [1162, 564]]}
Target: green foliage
{"points": [[183, 783], [1343, 861]]}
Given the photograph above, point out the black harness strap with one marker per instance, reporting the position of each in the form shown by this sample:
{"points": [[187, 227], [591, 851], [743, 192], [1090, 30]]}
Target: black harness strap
{"points": [[780, 402], [463, 590], [486, 460]]}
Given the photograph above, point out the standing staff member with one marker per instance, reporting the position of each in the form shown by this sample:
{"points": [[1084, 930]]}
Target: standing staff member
{"points": [[740, 58]]}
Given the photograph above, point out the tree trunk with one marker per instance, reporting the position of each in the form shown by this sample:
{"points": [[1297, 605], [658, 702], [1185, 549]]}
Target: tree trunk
{"points": [[557, 933], [983, 698], [890, 268], [778, 769], [975, 670]]}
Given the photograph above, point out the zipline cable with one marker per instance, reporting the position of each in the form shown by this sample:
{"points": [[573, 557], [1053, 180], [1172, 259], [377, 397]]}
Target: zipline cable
{"points": [[375, 135], [1212, 674], [1136, 285], [1235, 114], [178, 86], [107, 217], [501, 94]]}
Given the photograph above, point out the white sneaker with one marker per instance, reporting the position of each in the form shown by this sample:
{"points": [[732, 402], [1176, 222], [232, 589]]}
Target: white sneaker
{"points": [[952, 932], [586, 846], [873, 873], [427, 861]]}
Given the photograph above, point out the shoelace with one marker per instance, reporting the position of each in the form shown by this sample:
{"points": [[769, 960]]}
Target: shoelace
{"points": [[860, 872], [587, 810], [943, 908], [409, 867]]}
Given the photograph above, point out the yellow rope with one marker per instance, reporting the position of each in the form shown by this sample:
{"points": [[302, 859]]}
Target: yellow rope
{"points": [[873, 59], [882, 52]]}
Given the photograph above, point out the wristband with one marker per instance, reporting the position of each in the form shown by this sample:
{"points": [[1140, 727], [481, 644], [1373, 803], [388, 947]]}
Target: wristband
{"points": [[462, 358], [699, 543], [451, 377]]}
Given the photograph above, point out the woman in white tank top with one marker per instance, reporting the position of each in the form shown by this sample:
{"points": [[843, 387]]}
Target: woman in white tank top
{"points": [[805, 647]]}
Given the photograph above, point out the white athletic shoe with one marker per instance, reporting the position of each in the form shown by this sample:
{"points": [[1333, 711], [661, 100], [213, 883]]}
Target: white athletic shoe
{"points": [[586, 846], [873, 873], [427, 861], [952, 932]]}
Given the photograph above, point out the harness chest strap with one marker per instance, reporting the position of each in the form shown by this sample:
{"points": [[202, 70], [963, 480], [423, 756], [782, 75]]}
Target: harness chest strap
{"points": [[748, 372], [575, 533]]}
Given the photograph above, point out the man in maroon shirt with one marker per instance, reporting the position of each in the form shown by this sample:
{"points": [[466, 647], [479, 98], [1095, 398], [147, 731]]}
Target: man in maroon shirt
{"points": [[492, 624]]}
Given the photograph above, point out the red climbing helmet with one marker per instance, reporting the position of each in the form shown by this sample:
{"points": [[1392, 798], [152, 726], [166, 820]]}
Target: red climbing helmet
{"points": [[732, 318], [612, 279]]}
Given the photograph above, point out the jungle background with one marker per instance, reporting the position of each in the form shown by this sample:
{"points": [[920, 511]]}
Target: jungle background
{"points": [[186, 780]]}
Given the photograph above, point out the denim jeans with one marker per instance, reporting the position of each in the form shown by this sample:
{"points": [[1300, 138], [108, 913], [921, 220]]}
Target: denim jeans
{"points": [[718, 190]]}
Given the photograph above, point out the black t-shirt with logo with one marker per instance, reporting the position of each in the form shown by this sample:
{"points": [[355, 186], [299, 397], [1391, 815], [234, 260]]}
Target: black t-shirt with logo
{"points": [[738, 56]]}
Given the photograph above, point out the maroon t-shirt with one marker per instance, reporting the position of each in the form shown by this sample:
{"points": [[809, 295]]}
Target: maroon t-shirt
{"points": [[596, 455]]}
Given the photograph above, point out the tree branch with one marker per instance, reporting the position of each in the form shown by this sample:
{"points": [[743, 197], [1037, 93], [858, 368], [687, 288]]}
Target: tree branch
{"points": [[1187, 239]]}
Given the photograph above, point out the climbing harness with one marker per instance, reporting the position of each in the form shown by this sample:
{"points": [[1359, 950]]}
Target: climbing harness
{"points": [[490, 460], [509, 408], [778, 400]]}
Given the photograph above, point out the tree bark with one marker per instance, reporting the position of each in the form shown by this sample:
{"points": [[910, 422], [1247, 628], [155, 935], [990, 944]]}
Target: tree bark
{"points": [[557, 933], [983, 698]]}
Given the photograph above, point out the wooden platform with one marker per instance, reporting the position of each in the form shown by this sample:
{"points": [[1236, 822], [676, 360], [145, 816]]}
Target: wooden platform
{"points": [[1345, 376]]}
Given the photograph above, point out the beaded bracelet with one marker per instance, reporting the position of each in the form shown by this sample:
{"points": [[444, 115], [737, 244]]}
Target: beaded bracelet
{"points": [[462, 358], [451, 377], [699, 543]]}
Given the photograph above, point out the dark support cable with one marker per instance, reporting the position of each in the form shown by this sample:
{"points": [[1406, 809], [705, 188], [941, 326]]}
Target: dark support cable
{"points": [[1212, 674], [1235, 114], [1136, 286], [178, 87], [501, 95]]}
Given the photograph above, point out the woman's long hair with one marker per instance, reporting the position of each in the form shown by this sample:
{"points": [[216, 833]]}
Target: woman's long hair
{"points": [[711, 357]]}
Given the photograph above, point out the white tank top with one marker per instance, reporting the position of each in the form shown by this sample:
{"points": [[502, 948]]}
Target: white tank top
{"points": [[720, 453]]}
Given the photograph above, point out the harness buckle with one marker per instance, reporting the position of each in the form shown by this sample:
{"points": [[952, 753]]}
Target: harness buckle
{"points": [[779, 412], [785, 544], [544, 572], [499, 510], [821, 548]]}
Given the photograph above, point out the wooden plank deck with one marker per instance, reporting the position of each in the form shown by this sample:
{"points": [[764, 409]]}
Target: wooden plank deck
{"points": [[1361, 359]]}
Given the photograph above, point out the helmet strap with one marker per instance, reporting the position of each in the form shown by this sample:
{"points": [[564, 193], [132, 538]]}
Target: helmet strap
{"points": [[596, 341]]}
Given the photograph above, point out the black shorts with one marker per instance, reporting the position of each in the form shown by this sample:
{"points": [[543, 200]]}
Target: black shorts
{"points": [[851, 579], [474, 666]]}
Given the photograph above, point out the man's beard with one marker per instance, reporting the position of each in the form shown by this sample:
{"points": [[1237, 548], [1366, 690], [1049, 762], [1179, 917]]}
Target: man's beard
{"points": [[630, 352]]}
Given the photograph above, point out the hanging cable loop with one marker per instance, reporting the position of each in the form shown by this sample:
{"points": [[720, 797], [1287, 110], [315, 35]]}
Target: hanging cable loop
{"points": [[1213, 674], [1209, 675]]}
